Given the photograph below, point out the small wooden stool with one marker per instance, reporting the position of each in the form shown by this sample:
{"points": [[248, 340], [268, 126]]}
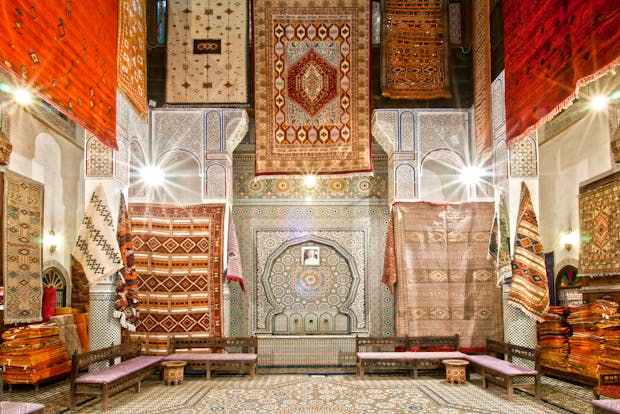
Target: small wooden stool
{"points": [[173, 372], [456, 370]]}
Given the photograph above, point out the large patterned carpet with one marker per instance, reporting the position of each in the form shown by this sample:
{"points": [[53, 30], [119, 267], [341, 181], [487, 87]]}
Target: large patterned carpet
{"points": [[316, 394]]}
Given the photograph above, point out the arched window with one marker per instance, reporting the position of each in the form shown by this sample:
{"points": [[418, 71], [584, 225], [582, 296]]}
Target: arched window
{"points": [[568, 286], [52, 277]]}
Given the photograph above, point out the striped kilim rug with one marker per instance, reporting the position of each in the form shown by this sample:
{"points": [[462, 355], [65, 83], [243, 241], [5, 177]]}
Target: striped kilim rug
{"points": [[444, 281], [529, 290], [23, 251], [312, 86], [178, 254]]}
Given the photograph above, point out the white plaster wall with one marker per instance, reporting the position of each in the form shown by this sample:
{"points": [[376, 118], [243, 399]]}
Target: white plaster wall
{"points": [[44, 155], [575, 155]]}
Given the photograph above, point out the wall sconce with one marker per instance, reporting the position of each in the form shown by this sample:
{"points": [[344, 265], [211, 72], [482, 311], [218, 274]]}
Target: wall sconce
{"points": [[569, 238], [52, 240]]}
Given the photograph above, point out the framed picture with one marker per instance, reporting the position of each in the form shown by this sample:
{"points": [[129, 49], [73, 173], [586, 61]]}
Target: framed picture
{"points": [[310, 256]]}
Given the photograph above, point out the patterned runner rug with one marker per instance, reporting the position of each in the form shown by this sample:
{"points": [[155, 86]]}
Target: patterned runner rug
{"points": [[23, 250], [178, 254], [414, 50], [444, 282], [312, 87]]}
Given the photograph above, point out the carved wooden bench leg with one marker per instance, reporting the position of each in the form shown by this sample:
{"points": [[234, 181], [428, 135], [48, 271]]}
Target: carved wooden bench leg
{"points": [[485, 383], [509, 387], [208, 370], [537, 387], [105, 398]]}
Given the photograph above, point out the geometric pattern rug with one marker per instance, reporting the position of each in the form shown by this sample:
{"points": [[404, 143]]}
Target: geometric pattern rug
{"points": [[445, 283], [312, 87], [599, 225], [316, 394], [22, 249], [178, 256]]}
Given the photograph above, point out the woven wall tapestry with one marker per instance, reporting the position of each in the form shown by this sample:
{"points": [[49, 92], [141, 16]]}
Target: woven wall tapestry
{"points": [[80, 290], [499, 243], [207, 51], [23, 250], [599, 226], [126, 304], [482, 75], [178, 252], [132, 52], [96, 247], [234, 270], [444, 282], [529, 290], [66, 52], [415, 50], [551, 48], [312, 87]]}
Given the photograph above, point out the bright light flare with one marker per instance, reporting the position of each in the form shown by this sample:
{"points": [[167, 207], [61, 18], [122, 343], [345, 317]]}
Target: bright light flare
{"points": [[22, 96], [599, 102], [152, 175], [472, 175]]}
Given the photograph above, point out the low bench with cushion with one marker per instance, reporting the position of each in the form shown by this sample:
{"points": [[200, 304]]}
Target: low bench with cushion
{"points": [[606, 406], [498, 366], [380, 353], [608, 386], [216, 354], [132, 369]]}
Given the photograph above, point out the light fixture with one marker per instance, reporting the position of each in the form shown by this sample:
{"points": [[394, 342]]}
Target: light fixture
{"points": [[309, 181], [52, 240], [599, 102], [22, 96], [472, 175], [569, 238], [152, 175]]}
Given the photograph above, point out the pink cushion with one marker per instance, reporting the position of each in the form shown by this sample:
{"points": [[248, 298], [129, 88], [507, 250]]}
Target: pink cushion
{"points": [[110, 374], [197, 357], [610, 405], [408, 356], [14, 407], [499, 365]]}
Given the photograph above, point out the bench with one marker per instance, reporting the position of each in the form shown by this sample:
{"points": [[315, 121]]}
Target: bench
{"points": [[14, 407], [606, 406], [215, 354], [608, 386], [498, 367], [398, 353], [132, 369]]}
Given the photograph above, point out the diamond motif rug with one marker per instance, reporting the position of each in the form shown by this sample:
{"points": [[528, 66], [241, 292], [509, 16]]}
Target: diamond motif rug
{"points": [[528, 290], [312, 87], [132, 52], [178, 254], [599, 225], [414, 50], [23, 251], [207, 51], [444, 282]]}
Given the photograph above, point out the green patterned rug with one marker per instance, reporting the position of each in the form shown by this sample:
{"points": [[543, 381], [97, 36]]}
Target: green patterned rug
{"points": [[318, 394]]}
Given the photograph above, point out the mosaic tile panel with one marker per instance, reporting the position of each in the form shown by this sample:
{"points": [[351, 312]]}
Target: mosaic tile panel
{"points": [[99, 159], [369, 224], [215, 181], [500, 162], [524, 157], [183, 129], [246, 186], [121, 163], [442, 129], [270, 291], [405, 182], [498, 105], [385, 128]]}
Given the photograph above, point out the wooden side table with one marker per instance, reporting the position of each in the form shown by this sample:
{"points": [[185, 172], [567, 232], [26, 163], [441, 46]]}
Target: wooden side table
{"points": [[173, 372], [456, 370]]}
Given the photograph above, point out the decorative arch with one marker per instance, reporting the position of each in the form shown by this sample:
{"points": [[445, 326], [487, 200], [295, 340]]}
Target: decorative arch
{"points": [[182, 177], [55, 275], [343, 312], [439, 176], [137, 160]]}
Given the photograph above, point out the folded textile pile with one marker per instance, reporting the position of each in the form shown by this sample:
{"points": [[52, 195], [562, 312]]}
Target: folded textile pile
{"points": [[553, 335], [610, 346], [33, 353], [586, 342]]}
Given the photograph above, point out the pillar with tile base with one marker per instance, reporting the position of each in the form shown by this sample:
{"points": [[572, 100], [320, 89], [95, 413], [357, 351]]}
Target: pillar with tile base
{"points": [[104, 329]]}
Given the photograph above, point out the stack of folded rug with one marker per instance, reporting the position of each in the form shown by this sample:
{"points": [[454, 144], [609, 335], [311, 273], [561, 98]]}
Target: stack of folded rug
{"points": [[553, 335], [32, 354]]}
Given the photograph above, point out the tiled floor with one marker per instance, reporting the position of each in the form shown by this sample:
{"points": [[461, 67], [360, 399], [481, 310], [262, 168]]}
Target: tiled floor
{"points": [[317, 394]]}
